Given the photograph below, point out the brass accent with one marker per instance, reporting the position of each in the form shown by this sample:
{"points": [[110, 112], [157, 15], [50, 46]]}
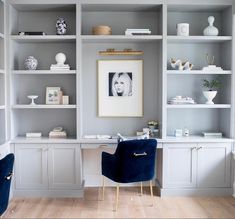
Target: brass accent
{"points": [[141, 188], [117, 197], [103, 146], [141, 154], [126, 51]]}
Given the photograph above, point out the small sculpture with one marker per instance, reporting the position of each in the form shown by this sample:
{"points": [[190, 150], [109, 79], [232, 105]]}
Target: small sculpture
{"points": [[60, 59], [30, 63], [61, 26], [179, 65], [211, 30], [32, 97], [211, 66]]}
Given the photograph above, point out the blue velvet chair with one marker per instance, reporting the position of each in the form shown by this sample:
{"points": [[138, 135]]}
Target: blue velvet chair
{"points": [[6, 168], [133, 161]]}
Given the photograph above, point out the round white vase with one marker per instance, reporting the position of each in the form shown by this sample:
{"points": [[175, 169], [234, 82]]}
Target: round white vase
{"points": [[211, 30], [209, 95]]}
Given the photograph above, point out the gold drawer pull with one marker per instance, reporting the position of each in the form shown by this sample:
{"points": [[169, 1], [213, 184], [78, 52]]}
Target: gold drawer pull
{"points": [[103, 146], [141, 154]]}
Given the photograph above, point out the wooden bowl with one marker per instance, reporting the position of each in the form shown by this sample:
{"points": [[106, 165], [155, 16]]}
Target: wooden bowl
{"points": [[101, 30]]}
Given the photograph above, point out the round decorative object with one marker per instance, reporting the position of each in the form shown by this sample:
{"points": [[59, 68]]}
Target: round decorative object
{"points": [[211, 30], [61, 26], [30, 63], [101, 30], [60, 58]]}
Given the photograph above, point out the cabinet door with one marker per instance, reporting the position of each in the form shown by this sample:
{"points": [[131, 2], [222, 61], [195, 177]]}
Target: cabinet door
{"points": [[214, 165], [64, 166], [91, 155], [179, 165], [31, 166]]}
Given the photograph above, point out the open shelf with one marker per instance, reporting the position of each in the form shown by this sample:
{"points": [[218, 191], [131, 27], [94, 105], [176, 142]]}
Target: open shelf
{"points": [[45, 39], [198, 39], [42, 72], [197, 72], [198, 106], [43, 106], [120, 38]]}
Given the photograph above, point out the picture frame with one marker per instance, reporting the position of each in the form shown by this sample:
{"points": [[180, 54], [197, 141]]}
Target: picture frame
{"points": [[53, 95], [120, 88]]}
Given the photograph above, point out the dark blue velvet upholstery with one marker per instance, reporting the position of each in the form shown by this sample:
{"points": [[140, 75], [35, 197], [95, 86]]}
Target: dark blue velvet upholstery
{"points": [[6, 168], [124, 167]]}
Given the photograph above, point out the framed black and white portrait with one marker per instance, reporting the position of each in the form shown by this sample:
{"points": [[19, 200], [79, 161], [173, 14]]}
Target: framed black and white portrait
{"points": [[120, 88]]}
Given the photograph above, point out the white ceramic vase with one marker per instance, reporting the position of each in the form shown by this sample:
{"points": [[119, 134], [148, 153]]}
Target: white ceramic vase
{"points": [[209, 95], [211, 30]]}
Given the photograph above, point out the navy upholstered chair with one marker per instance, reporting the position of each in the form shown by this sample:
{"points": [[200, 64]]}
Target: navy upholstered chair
{"points": [[6, 168], [133, 161]]}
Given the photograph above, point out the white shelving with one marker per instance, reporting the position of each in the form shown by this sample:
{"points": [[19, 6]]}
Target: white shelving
{"points": [[2, 71], [45, 39], [41, 106], [199, 106], [198, 72], [198, 39], [2, 35], [42, 72], [120, 38], [2, 107]]}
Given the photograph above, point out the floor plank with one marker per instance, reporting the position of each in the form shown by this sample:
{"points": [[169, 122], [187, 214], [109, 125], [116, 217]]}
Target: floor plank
{"points": [[131, 205]]}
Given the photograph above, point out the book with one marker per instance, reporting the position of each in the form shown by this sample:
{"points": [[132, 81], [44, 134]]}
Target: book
{"points": [[57, 134], [33, 134], [212, 134], [23, 33]]}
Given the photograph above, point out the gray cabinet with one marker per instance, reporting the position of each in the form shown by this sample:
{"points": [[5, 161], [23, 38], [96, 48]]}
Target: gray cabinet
{"points": [[49, 166], [180, 165], [31, 166], [213, 169], [64, 166], [195, 165]]}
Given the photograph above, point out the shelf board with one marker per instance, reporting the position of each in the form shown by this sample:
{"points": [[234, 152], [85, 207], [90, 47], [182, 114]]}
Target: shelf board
{"points": [[198, 106], [198, 39], [42, 72], [2, 107], [43, 106], [119, 38], [1, 35], [197, 72], [45, 38]]}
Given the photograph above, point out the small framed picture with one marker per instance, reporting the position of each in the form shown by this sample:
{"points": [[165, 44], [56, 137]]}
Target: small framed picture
{"points": [[53, 95]]}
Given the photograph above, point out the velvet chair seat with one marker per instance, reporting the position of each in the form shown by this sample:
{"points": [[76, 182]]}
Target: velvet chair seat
{"points": [[6, 168]]}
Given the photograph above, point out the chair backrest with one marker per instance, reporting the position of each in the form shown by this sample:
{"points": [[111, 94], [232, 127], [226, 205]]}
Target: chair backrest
{"points": [[6, 168], [136, 160]]}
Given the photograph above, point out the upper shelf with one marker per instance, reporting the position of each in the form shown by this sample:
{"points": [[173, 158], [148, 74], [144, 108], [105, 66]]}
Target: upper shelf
{"points": [[198, 39], [46, 38], [198, 106], [42, 72], [197, 72], [43, 106], [119, 38]]}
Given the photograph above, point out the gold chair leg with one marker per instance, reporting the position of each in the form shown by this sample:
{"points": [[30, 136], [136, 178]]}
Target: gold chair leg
{"points": [[151, 190], [117, 197], [103, 189], [141, 188]]}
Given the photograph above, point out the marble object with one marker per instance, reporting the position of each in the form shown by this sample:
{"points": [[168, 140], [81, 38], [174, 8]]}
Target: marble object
{"points": [[30, 63], [211, 30], [61, 26]]}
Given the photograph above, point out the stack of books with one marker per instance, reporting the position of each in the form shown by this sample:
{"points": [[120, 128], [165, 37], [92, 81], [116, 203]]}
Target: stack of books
{"points": [[57, 67], [212, 134], [33, 135], [58, 132], [131, 32]]}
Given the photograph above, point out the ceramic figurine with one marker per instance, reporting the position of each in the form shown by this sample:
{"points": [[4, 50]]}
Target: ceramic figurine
{"points": [[179, 65], [30, 63], [211, 30], [61, 26]]}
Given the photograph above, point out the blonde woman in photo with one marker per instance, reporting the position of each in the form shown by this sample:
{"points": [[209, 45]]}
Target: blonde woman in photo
{"points": [[122, 84]]}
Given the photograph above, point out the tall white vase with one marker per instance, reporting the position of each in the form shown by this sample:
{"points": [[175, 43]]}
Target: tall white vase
{"points": [[209, 95]]}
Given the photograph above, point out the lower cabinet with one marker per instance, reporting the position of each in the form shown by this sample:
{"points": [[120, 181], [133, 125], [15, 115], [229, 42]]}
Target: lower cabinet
{"points": [[47, 167], [199, 165]]}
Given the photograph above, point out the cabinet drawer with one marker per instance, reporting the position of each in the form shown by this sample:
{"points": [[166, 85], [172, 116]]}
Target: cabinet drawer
{"points": [[96, 146]]}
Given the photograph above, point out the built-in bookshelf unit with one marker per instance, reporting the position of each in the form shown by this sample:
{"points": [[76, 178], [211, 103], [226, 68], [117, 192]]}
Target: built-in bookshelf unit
{"points": [[161, 82], [199, 117], [42, 117], [3, 114]]}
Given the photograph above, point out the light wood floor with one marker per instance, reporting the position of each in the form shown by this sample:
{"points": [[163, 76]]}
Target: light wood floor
{"points": [[131, 205]]}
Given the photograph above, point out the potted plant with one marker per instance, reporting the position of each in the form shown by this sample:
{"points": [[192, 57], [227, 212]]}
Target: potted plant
{"points": [[211, 85], [152, 124]]}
